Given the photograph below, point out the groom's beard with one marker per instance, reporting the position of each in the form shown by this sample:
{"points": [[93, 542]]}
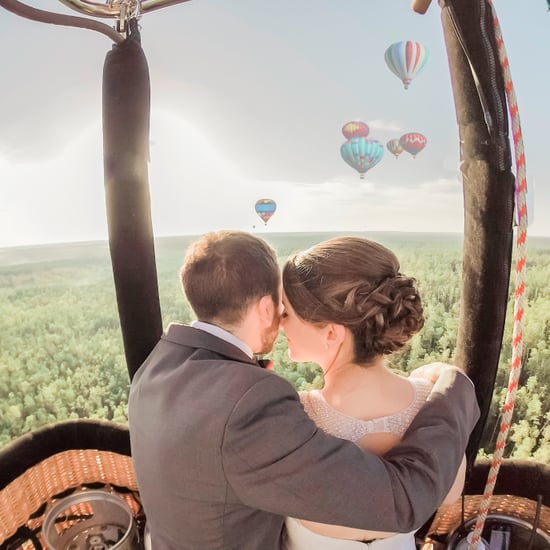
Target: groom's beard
{"points": [[270, 335]]}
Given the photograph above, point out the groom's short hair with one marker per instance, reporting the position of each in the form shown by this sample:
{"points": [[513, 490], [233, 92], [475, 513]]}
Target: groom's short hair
{"points": [[224, 272]]}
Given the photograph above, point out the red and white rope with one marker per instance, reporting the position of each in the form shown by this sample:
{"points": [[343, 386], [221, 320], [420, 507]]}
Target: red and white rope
{"points": [[519, 298]]}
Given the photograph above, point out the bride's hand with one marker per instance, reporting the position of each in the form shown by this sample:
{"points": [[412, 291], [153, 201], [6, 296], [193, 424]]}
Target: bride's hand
{"points": [[432, 371]]}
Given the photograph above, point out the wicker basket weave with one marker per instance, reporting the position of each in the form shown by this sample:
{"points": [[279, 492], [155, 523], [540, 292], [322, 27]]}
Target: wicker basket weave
{"points": [[449, 518], [522, 493], [38, 481]]}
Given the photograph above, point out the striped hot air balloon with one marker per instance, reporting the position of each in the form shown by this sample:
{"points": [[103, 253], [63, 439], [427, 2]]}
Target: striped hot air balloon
{"points": [[394, 147], [265, 208], [405, 59]]}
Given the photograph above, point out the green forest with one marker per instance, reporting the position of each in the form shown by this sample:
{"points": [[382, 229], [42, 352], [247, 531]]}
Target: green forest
{"points": [[62, 357]]}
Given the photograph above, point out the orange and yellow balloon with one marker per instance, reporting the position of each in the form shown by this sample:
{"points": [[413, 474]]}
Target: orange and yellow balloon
{"points": [[354, 129]]}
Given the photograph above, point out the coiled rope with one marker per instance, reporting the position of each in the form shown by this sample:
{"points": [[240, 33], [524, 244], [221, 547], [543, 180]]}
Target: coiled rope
{"points": [[519, 295]]}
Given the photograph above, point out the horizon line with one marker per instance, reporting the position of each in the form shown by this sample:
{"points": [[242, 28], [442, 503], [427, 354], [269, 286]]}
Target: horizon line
{"points": [[264, 234]]}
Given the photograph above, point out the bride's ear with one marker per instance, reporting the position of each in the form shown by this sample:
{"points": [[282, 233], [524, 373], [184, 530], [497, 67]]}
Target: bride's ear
{"points": [[335, 334]]}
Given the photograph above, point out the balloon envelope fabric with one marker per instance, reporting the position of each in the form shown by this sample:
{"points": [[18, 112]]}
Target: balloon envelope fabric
{"points": [[405, 59], [362, 154]]}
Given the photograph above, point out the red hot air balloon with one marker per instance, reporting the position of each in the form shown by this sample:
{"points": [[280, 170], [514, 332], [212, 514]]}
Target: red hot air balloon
{"points": [[413, 143], [355, 128]]}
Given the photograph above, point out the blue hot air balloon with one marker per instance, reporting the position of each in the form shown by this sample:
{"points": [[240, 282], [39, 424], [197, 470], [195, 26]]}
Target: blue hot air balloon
{"points": [[405, 59], [362, 154]]}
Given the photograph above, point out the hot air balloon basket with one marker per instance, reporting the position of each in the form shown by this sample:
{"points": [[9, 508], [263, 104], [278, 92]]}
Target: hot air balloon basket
{"points": [[519, 509], [519, 516], [75, 462]]}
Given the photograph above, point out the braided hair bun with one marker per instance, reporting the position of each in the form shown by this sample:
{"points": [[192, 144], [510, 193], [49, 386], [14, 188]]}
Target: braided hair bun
{"points": [[355, 282]]}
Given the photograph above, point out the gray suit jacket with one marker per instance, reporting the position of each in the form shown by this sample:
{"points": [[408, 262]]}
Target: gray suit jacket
{"points": [[223, 451]]}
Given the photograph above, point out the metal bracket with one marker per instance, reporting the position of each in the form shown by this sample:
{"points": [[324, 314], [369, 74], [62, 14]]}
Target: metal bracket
{"points": [[127, 9]]}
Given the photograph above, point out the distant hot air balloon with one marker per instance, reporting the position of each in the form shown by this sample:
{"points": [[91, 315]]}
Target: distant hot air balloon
{"points": [[394, 147], [413, 142], [362, 154], [355, 128], [265, 208], [405, 59]]}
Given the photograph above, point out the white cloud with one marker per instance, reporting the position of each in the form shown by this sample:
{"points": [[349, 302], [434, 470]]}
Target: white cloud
{"points": [[386, 126], [357, 205]]}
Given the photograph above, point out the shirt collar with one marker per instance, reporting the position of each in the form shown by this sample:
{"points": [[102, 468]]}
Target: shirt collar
{"points": [[224, 335]]}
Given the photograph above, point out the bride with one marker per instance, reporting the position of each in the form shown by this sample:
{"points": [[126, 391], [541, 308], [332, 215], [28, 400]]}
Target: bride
{"points": [[347, 307]]}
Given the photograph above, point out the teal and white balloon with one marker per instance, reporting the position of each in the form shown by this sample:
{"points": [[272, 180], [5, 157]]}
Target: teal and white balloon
{"points": [[362, 154]]}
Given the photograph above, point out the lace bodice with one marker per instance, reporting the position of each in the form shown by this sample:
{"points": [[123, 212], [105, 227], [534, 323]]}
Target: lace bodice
{"points": [[346, 427], [299, 537]]}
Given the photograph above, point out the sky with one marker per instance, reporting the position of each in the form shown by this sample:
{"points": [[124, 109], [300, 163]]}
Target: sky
{"points": [[248, 99]]}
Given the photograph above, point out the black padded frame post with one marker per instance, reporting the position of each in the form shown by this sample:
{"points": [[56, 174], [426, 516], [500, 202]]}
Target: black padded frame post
{"points": [[126, 108], [482, 115]]}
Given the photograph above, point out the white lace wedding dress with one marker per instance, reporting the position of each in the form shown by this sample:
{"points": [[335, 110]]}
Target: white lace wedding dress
{"points": [[336, 423]]}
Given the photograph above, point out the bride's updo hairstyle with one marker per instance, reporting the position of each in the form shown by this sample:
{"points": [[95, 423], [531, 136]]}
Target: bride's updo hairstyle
{"points": [[356, 283]]}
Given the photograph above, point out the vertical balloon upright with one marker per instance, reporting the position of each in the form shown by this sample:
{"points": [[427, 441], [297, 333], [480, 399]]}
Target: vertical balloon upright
{"points": [[126, 106]]}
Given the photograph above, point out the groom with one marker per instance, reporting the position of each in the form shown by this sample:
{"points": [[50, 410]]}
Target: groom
{"points": [[223, 449]]}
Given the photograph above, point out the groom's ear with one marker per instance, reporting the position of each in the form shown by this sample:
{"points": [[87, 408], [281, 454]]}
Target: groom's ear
{"points": [[266, 309]]}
